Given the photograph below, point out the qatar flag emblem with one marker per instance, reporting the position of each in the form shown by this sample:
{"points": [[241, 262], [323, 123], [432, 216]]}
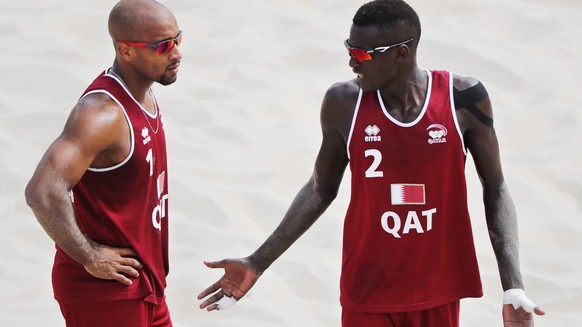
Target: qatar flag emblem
{"points": [[407, 194], [161, 183]]}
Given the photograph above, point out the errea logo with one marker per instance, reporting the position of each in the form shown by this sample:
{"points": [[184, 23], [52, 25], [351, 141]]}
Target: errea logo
{"points": [[145, 134], [372, 132], [437, 133]]}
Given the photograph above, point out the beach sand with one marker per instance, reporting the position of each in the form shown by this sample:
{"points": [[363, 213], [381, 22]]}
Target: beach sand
{"points": [[242, 125]]}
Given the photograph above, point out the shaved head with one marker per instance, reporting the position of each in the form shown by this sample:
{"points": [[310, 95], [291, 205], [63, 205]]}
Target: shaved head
{"points": [[134, 20], [133, 23]]}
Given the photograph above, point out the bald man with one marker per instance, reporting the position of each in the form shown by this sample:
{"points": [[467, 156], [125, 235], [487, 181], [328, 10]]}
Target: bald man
{"points": [[100, 190]]}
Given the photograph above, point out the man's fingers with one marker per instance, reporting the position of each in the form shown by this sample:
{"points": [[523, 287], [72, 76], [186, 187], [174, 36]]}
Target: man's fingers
{"points": [[225, 302], [211, 289], [118, 264], [209, 264], [125, 252], [525, 303], [215, 264], [211, 307], [122, 279], [131, 262], [218, 301], [538, 311], [127, 270], [211, 300], [128, 257]]}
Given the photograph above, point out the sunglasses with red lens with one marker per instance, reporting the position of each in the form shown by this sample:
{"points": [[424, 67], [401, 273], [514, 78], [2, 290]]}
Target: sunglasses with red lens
{"points": [[361, 54], [162, 47]]}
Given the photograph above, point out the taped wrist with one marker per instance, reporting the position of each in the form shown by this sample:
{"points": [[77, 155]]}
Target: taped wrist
{"points": [[516, 297]]}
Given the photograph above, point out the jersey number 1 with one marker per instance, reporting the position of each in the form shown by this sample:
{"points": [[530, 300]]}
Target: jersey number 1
{"points": [[150, 160]]}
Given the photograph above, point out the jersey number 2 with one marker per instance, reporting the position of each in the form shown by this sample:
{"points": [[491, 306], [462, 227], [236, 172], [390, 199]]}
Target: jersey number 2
{"points": [[372, 171]]}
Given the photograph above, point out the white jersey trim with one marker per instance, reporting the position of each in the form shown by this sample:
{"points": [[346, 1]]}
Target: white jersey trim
{"points": [[422, 112], [120, 82], [131, 135], [454, 112], [354, 122]]}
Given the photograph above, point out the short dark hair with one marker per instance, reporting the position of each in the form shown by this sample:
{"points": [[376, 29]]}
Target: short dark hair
{"points": [[388, 14]]}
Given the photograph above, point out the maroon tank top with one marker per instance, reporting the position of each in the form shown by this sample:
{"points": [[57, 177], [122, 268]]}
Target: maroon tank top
{"points": [[408, 242], [122, 206]]}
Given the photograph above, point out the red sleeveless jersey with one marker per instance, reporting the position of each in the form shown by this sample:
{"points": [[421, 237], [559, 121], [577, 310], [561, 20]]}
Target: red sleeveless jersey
{"points": [[408, 243], [122, 206]]}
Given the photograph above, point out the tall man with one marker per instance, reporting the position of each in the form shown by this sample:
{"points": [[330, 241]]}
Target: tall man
{"points": [[408, 252], [101, 189]]}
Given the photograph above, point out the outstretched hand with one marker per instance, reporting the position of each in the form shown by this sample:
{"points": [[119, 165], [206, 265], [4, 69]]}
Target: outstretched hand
{"points": [[518, 309], [113, 263], [239, 276]]}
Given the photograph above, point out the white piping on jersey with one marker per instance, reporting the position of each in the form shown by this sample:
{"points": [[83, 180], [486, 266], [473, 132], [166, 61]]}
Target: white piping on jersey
{"points": [[454, 111], [120, 82], [426, 101], [353, 122], [131, 137], [422, 112]]}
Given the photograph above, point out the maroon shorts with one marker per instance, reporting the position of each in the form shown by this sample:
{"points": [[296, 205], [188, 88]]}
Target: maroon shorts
{"points": [[132, 313], [443, 316]]}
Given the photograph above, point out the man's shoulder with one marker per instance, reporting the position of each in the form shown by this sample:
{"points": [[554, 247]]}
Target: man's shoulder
{"points": [[339, 104], [96, 112], [463, 82], [344, 90], [96, 103], [342, 94]]}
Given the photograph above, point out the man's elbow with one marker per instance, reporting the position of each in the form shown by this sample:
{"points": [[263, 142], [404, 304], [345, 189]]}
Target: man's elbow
{"points": [[34, 195], [327, 194]]}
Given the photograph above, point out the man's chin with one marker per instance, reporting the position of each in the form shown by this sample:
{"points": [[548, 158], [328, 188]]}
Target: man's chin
{"points": [[167, 81]]}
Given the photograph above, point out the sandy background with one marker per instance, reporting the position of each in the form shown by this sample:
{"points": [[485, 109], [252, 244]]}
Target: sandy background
{"points": [[243, 130]]}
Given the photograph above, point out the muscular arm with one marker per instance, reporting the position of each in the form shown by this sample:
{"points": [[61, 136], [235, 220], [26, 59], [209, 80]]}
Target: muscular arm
{"points": [[481, 140], [94, 134], [321, 189], [311, 201]]}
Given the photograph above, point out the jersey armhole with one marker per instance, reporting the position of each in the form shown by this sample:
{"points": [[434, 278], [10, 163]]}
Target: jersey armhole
{"points": [[353, 122], [454, 113], [131, 134]]}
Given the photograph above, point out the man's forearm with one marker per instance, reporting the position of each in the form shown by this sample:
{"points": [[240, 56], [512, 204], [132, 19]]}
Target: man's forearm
{"points": [[503, 232], [305, 209], [54, 212]]}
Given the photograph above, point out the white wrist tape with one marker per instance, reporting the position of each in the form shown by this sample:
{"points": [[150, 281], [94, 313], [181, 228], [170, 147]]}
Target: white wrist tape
{"points": [[517, 298], [225, 303]]}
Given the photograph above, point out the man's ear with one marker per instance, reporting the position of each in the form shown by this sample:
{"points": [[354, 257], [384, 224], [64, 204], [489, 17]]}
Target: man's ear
{"points": [[124, 51], [402, 52]]}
